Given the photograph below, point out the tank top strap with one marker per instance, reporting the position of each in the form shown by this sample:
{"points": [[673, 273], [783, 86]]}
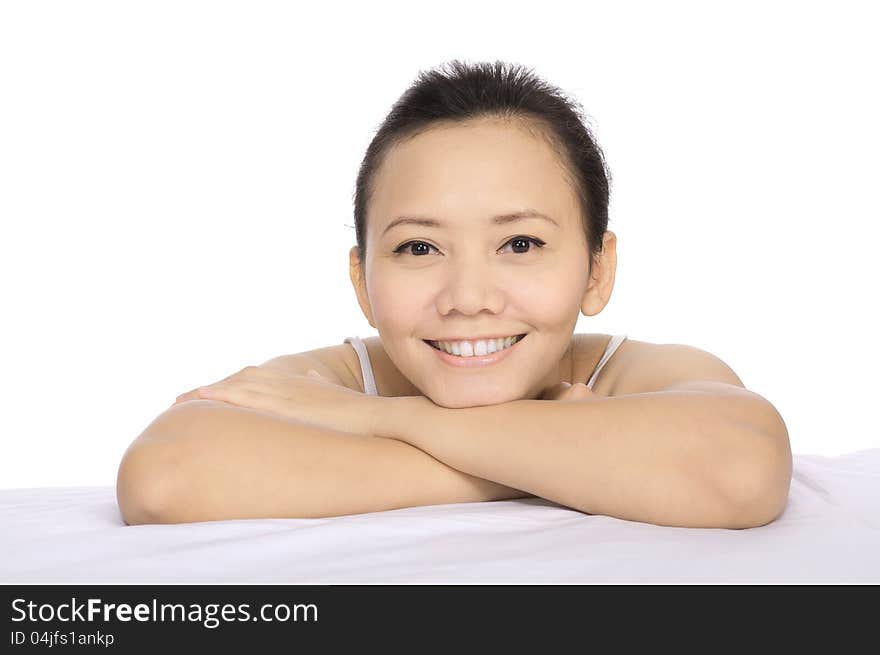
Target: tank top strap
{"points": [[366, 367], [612, 346]]}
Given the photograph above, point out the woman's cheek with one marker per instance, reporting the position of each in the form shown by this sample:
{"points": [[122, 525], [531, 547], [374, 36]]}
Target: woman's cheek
{"points": [[546, 303], [396, 304]]}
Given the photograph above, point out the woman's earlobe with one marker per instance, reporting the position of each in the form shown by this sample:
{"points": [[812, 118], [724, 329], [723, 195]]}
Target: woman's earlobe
{"points": [[601, 283], [596, 297], [591, 304]]}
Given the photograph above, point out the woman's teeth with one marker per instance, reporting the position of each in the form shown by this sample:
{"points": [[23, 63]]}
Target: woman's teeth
{"points": [[475, 348]]}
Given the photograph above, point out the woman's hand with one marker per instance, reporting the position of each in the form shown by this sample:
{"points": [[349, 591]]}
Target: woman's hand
{"points": [[565, 391], [309, 398]]}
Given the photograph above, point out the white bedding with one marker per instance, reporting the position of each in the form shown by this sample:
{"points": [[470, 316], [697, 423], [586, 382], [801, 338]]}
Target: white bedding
{"points": [[829, 533]]}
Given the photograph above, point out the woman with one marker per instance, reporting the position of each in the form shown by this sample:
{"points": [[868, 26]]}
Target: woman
{"points": [[481, 215]]}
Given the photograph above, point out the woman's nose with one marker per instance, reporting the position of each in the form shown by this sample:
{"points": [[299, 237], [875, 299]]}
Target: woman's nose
{"points": [[470, 288]]}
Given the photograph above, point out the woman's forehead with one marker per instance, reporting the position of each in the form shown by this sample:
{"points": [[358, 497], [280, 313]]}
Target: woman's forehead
{"points": [[483, 142], [482, 170]]}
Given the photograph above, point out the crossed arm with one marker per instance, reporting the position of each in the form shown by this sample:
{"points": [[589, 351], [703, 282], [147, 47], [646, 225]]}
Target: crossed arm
{"points": [[699, 454], [207, 460], [694, 454]]}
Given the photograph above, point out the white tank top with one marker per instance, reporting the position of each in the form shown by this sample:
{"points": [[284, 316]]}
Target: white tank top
{"points": [[370, 382]]}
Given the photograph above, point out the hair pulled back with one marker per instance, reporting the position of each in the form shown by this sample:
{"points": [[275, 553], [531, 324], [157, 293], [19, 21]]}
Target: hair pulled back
{"points": [[457, 93]]}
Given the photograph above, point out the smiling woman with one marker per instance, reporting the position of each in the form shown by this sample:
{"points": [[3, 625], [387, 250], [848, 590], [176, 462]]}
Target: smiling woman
{"points": [[481, 215]]}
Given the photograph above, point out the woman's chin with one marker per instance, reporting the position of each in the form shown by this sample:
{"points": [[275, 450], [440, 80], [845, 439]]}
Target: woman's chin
{"points": [[462, 401]]}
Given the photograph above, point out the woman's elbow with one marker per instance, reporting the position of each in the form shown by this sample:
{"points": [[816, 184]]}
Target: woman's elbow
{"points": [[153, 461], [763, 492], [142, 486]]}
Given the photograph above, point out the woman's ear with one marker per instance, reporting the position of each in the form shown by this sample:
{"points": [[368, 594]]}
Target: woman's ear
{"points": [[601, 280], [359, 282]]}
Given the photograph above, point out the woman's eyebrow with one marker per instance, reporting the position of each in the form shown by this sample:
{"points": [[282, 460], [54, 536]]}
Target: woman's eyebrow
{"points": [[501, 219]]}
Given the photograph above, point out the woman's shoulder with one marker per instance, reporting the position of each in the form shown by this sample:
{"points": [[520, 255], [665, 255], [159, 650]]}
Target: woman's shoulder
{"points": [[632, 367], [340, 364], [587, 352], [642, 366]]}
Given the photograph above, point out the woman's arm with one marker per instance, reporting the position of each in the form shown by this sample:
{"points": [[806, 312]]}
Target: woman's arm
{"points": [[204, 460], [700, 454]]}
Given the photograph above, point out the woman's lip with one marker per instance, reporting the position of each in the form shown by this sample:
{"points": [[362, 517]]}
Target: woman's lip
{"points": [[500, 336], [476, 360]]}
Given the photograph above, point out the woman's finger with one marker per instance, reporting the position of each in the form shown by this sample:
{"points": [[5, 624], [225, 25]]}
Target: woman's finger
{"points": [[556, 392], [250, 375], [565, 391], [189, 395], [579, 391], [242, 396]]}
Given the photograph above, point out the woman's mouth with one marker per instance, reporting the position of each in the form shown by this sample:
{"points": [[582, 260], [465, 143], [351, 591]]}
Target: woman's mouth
{"points": [[482, 352]]}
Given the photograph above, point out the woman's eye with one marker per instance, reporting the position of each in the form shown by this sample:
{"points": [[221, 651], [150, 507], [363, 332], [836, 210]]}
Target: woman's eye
{"points": [[411, 244], [523, 242], [520, 244]]}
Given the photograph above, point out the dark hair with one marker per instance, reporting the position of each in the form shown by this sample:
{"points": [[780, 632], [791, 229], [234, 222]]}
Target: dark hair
{"points": [[466, 92]]}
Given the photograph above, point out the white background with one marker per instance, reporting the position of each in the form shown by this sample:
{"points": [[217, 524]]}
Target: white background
{"points": [[176, 185]]}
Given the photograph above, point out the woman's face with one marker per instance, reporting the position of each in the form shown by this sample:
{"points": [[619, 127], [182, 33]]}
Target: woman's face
{"points": [[461, 274]]}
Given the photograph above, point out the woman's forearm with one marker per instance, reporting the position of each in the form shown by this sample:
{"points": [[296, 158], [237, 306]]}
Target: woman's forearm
{"points": [[208, 461], [684, 457]]}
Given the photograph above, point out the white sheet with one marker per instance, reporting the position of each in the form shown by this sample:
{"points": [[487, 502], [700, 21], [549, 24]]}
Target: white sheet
{"points": [[829, 533]]}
